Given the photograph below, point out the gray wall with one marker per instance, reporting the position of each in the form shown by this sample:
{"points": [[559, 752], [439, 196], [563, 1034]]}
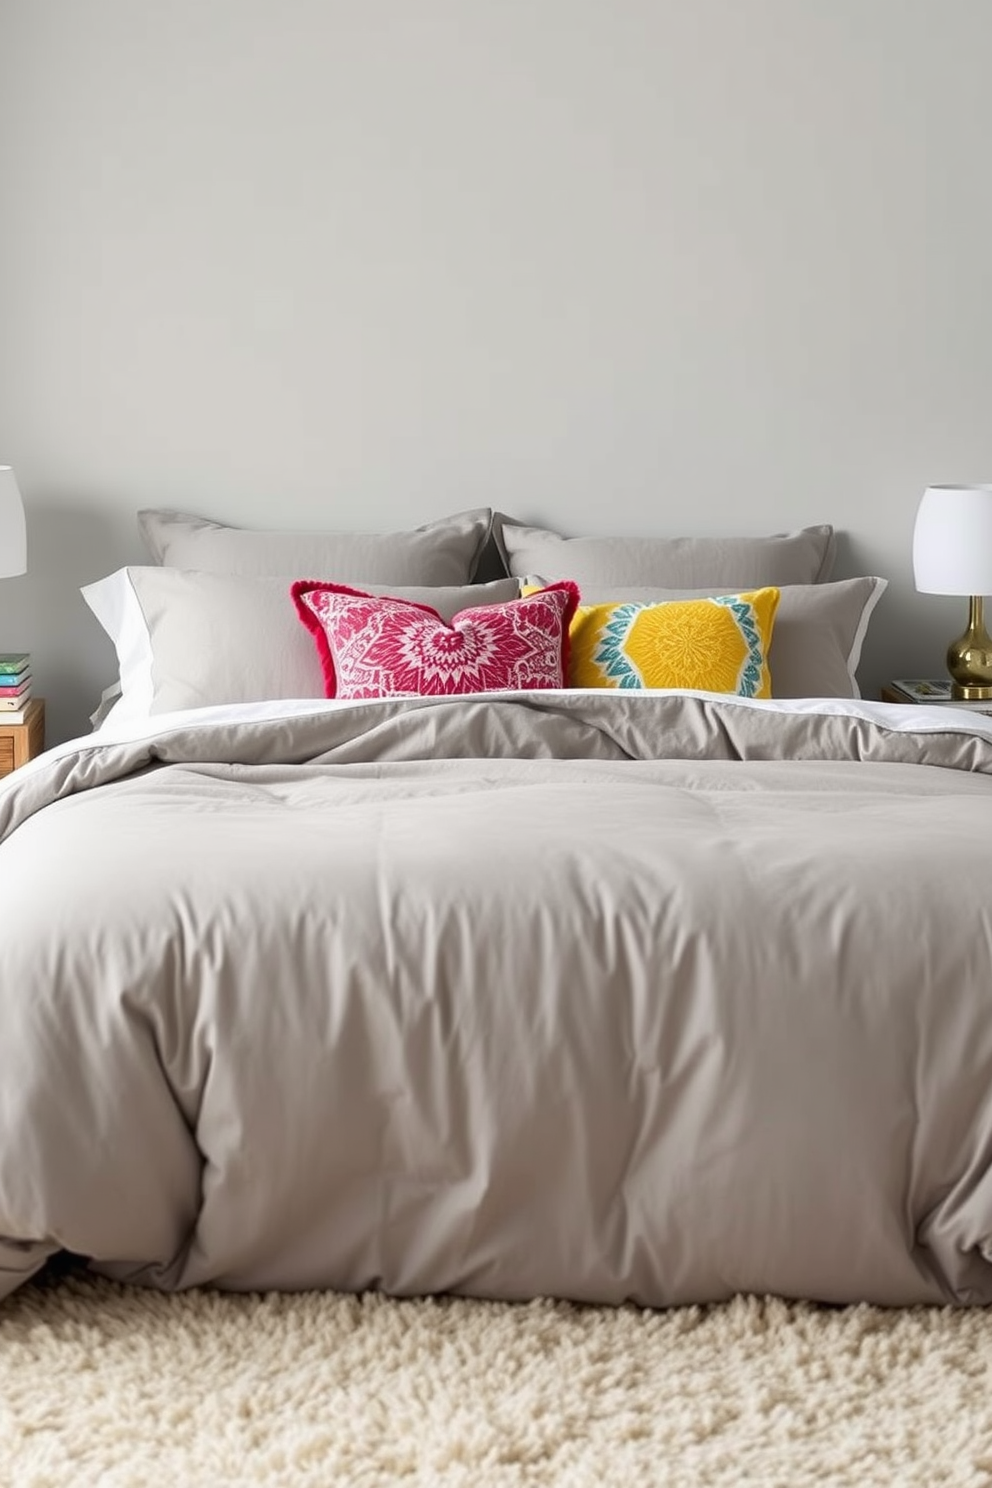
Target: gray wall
{"points": [[659, 266]]}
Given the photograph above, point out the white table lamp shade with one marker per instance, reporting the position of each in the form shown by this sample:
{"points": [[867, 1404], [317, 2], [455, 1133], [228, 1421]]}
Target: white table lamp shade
{"points": [[13, 536], [952, 541]]}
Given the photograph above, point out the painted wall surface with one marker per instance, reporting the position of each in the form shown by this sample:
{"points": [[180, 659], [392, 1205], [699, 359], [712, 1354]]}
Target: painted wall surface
{"points": [[614, 265]]}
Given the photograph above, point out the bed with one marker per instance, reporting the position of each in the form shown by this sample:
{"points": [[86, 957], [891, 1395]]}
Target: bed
{"points": [[655, 994]]}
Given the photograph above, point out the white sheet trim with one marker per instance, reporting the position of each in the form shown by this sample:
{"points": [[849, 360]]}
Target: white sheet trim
{"points": [[898, 716]]}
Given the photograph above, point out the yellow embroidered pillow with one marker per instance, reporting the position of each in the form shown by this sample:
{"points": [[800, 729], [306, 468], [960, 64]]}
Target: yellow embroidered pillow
{"points": [[712, 645]]}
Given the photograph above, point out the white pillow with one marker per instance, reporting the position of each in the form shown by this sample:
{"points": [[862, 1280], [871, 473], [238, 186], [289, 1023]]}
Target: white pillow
{"points": [[115, 604]]}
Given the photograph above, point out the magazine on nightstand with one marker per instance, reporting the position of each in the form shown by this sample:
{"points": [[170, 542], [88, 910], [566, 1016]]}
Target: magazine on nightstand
{"points": [[936, 692]]}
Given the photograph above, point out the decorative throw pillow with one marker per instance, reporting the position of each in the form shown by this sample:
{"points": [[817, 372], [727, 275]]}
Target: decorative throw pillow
{"points": [[710, 645], [373, 646]]}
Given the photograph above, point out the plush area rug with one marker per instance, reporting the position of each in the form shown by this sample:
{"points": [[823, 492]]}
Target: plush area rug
{"points": [[111, 1386]]}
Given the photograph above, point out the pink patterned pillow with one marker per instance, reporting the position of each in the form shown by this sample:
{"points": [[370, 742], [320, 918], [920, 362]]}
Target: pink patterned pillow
{"points": [[374, 646]]}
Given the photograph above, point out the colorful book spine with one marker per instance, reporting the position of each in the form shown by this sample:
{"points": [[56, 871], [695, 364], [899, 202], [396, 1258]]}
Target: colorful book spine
{"points": [[15, 686]]}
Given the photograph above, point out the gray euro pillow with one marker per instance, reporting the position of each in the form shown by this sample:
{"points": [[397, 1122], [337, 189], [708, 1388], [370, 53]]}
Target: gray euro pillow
{"points": [[732, 563], [817, 637], [445, 552], [186, 639]]}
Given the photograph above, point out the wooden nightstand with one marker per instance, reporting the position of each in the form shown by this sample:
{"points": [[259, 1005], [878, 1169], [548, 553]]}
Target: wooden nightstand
{"points": [[20, 742]]}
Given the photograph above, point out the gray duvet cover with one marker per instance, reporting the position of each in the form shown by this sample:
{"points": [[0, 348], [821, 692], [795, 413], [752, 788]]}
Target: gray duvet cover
{"points": [[600, 996]]}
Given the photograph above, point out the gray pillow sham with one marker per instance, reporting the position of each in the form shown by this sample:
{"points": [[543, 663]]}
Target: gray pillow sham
{"points": [[816, 640], [445, 552], [733, 563], [186, 639]]}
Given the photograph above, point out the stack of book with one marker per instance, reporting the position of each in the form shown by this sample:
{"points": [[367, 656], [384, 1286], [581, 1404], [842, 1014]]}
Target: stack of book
{"points": [[15, 686]]}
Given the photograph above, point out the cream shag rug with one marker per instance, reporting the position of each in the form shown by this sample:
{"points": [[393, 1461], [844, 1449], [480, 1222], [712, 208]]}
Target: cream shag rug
{"points": [[111, 1386]]}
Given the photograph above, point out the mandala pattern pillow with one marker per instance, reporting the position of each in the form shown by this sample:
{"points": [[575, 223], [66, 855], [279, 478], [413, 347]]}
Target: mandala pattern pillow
{"points": [[711, 645], [372, 646]]}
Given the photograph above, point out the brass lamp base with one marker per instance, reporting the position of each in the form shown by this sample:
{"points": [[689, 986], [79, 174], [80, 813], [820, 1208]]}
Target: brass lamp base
{"points": [[969, 658]]}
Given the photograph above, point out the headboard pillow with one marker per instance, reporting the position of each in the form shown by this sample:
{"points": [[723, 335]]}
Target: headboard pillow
{"points": [[372, 646], [445, 552], [725, 563], [189, 640]]}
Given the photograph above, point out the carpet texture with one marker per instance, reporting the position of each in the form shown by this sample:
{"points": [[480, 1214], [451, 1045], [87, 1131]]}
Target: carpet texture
{"points": [[104, 1385]]}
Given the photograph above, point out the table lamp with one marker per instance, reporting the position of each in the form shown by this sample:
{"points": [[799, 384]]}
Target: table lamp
{"points": [[13, 538], [952, 554]]}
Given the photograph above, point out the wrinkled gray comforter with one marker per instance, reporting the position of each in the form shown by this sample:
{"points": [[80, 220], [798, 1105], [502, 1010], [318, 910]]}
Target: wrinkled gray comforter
{"points": [[602, 996]]}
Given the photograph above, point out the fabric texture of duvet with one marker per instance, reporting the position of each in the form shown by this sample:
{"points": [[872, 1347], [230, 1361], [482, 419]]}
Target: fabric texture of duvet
{"points": [[657, 997]]}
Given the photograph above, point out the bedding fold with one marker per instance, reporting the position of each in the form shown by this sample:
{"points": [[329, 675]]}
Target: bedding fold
{"points": [[573, 724]]}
